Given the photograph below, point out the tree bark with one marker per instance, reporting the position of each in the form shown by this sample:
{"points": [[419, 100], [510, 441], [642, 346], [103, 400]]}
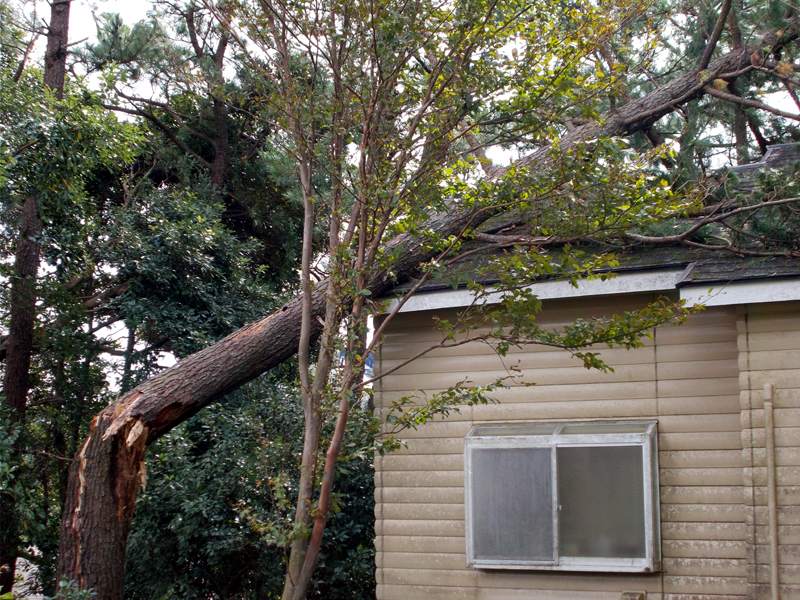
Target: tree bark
{"points": [[55, 56], [17, 375], [104, 478], [23, 302]]}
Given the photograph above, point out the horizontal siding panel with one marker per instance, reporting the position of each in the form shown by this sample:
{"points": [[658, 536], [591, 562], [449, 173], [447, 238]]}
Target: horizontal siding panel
{"points": [[421, 326], [701, 494], [686, 584], [783, 379], [774, 359], [787, 574], [704, 549], [784, 457], [426, 495], [429, 577], [787, 515], [435, 479], [431, 446], [762, 591], [722, 332], [787, 494], [550, 378], [707, 567], [725, 386], [776, 340], [586, 409], [785, 399], [419, 512], [548, 393], [438, 429], [423, 462], [787, 534], [696, 352], [576, 392], [784, 437], [699, 423], [784, 476], [421, 527], [698, 597], [788, 554], [771, 311], [487, 360], [785, 417], [438, 544], [511, 594], [408, 592], [697, 369], [424, 560], [713, 314], [458, 419], [703, 531], [412, 345], [533, 580], [704, 513], [726, 476], [705, 405], [677, 459], [724, 440]]}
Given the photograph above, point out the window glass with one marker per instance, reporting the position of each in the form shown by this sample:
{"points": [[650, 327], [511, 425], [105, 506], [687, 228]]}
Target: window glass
{"points": [[512, 504], [601, 495]]}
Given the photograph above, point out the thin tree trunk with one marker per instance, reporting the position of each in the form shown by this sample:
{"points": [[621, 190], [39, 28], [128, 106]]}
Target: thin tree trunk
{"points": [[16, 381], [104, 478], [219, 166], [23, 302]]}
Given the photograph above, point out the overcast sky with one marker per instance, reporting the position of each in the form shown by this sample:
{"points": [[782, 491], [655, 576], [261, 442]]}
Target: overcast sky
{"points": [[81, 23]]}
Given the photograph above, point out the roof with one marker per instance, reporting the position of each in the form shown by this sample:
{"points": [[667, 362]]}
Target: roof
{"points": [[777, 155], [649, 268], [701, 266], [696, 276]]}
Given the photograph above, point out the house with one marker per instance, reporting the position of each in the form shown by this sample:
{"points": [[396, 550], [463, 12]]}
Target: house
{"points": [[675, 477]]}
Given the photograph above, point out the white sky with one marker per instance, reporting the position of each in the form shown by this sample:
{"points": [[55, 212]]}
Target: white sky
{"points": [[82, 24]]}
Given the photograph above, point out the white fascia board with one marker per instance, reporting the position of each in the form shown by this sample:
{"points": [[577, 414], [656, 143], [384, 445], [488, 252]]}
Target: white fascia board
{"points": [[652, 281], [751, 292]]}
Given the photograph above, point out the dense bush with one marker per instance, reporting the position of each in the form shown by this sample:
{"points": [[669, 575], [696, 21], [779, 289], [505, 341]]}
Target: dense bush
{"points": [[214, 520]]}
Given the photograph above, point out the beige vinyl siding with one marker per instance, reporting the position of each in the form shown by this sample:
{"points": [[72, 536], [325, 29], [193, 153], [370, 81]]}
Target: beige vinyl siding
{"points": [[769, 344], [685, 377]]}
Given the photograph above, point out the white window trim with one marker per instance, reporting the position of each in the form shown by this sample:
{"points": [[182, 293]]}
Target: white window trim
{"points": [[647, 440]]}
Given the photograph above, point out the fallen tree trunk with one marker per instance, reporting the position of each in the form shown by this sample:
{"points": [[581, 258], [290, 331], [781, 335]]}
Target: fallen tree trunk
{"points": [[105, 476]]}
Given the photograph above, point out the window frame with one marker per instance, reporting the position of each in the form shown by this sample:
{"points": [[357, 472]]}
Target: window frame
{"points": [[552, 435]]}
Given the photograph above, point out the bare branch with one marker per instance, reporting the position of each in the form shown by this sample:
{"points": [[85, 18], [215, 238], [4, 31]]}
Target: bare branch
{"points": [[712, 91], [712, 43], [158, 123]]}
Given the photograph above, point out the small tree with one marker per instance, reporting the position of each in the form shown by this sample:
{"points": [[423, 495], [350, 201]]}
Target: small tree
{"points": [[386, 106]]}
